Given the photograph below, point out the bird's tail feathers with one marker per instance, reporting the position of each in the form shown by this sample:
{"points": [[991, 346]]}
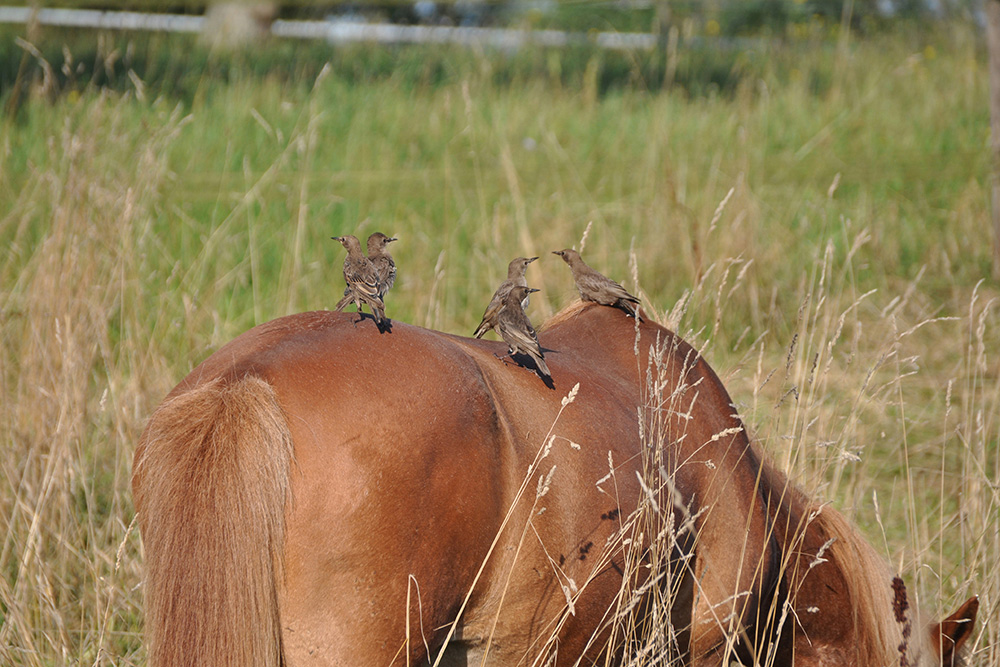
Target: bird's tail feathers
{"points": [[343, 303], [542, 367], [377, 307]]}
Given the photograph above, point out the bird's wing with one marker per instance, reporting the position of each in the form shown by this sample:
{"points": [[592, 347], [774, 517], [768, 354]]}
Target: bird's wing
{"points": [[489, 318], [521, 337], [594, 287], [389, 276], [602, 289], [362, 277], [386, 270], [518, 333], [493, 310], [628, 295], [621, 292]]}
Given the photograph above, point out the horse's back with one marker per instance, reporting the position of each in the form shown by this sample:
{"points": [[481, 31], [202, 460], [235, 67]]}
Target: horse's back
{"points": [[410, 446]]}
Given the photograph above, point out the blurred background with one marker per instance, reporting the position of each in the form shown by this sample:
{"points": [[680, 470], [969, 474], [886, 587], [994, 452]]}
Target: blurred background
{"points": [[801, 188]]}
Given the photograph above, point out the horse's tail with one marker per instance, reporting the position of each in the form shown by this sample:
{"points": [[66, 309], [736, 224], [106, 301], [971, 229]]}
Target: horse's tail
{"points": [[210, 484]]}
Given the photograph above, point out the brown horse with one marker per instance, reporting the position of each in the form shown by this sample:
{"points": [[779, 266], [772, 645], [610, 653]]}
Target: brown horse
{"points": [[318, 493]]}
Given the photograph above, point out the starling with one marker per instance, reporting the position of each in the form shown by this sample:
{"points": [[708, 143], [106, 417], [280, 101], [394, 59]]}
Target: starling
{"points": [[516, 330], [384, 265], [361, 278], [515, 276], [596, 287]]}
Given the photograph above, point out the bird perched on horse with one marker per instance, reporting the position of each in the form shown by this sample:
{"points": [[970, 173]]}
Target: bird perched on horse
{"points": [[596, 287], [515, 328], [362, 279], [385, 266], [515, 276]]}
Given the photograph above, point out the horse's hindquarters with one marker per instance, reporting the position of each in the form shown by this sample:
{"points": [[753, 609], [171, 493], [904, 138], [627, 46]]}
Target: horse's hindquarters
{"points": [[392, 511]]}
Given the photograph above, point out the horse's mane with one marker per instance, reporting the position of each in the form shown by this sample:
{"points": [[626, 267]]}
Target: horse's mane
{"points": [[566, 313], [869, 581], [877, 598]]}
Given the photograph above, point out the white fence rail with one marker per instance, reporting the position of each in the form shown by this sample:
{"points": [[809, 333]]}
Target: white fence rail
{"points": [[335, 31]]}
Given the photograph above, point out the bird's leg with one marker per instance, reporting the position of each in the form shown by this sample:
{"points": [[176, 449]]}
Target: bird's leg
{"points": [[510, 355], [505, 357]]}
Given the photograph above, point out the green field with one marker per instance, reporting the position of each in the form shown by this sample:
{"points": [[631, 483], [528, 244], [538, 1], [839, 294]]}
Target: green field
{"points": [[813, 215]]}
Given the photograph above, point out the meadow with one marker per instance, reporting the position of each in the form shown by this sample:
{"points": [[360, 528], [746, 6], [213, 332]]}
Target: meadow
{"points": [[813, 215]]}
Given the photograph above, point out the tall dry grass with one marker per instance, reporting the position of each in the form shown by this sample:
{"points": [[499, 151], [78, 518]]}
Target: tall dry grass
{"points": [[837, 290], [76, 389], [884, 406]]}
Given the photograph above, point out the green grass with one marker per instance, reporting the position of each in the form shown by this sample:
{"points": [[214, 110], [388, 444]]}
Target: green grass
{"points": [[843, 292]]}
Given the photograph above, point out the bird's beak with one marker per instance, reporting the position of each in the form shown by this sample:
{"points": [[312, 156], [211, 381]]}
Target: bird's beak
{"points": [[336, 238], [557, 252], [392, 239], [531, 259], [532, 289]]}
